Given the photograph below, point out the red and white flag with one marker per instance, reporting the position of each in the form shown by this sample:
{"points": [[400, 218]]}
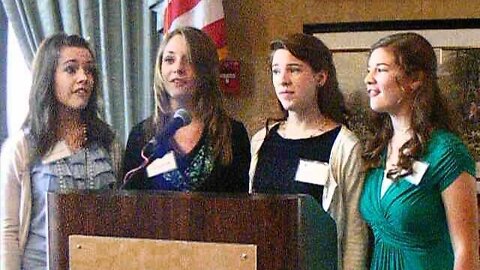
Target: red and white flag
{"points": [[202, 14]]}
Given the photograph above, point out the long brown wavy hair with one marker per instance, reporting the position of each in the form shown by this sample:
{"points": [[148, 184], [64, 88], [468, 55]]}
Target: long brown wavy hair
{"points": [[42, 118], [207, 97], [416, 58], [316, 54]]}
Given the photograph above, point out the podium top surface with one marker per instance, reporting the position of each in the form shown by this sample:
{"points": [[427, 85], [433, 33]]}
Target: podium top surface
{"points": [[179, 194]]}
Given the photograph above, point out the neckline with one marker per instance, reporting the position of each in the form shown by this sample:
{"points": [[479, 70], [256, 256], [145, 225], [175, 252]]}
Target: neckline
{"points": [[195, 149], [274, 130]]}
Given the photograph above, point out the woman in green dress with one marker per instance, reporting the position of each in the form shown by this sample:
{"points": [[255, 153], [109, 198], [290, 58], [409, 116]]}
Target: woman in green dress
{"points": [[419, 194]]}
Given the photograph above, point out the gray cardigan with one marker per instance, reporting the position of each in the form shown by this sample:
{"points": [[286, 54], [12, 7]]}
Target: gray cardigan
{"points": [[340, 196], [16, 197]]}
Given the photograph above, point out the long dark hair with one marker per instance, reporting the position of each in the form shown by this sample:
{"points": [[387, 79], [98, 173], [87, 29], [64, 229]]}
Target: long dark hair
{"points": [[316, 54], [416, 58], [42, 119], [202, 53]]}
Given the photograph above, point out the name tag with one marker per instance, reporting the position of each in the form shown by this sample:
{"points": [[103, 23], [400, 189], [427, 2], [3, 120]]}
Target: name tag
{"points": [[312, 172], [419, 168], [162, 165]]}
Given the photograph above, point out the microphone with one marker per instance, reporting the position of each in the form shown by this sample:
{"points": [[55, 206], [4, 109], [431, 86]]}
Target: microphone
{"points": [[180, 118]]}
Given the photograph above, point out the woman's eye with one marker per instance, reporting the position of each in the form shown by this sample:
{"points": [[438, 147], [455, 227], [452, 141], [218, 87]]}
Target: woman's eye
{"points": [[90, 70], [295, 70], [168, 60], [275, 71], [70, 69]]}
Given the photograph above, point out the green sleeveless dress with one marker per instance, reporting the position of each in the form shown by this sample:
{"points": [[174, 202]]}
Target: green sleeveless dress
{"points": [[409, 222]]}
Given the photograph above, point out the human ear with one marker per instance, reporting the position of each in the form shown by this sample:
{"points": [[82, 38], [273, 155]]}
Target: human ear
{"points": [[417, 81], [321, 77]]}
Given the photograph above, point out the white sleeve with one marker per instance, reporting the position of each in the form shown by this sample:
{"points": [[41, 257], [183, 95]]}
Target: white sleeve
{"points": [[11, 161]]}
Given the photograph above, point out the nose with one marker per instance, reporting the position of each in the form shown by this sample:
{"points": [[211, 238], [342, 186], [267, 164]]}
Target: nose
{"points": [[284, 77], [180, 67], [369, 78], [82, 75]]}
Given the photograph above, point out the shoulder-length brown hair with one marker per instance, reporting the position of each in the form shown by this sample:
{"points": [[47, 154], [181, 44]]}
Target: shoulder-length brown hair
{"points": [[202, 53], [316, 54], [42, 118], [416, 58]]}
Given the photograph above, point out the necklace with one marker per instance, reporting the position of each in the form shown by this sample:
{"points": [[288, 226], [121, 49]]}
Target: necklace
{"points": [[79, 137], [76, 139], [314, 129], [322, 128], [74, 134], [403, 131]]}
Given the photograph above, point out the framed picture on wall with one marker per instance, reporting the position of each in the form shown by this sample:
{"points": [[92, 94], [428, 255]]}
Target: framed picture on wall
{"points": [[457, 46]]}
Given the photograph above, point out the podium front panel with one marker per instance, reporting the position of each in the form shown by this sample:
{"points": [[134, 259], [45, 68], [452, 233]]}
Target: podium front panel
{"points": [[274, 223], [95, 252]]}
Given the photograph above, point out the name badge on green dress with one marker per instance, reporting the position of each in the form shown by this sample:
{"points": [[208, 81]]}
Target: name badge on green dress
{"points": [[419, 168]]}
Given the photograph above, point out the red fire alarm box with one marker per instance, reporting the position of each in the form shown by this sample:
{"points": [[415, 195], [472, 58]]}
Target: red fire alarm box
{"points": [[230, 76]]}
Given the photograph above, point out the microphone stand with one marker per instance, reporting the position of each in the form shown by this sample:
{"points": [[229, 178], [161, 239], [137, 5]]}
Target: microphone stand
{"points": [[145, 163]]}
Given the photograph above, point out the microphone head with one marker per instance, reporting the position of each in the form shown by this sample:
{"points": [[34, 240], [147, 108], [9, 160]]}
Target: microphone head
{"points": [[184, 115]]}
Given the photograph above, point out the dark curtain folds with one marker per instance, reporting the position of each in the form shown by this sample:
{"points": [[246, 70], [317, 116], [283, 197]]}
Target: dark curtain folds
{"points": [[123, 35]]}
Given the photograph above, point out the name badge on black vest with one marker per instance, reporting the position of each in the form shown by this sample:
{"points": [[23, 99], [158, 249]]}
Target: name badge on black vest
{"points": [[162, 165], [312, 172]]}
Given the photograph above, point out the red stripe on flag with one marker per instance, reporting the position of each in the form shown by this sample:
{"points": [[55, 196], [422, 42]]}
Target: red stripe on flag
{"points": [[176, 8], [216, 31]]}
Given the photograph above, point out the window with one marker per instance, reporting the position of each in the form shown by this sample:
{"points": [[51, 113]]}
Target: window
{"points": [[18, 84]]}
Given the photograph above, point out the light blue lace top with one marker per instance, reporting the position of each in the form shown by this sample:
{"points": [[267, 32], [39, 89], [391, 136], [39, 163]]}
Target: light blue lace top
{"points": [[89, 168]]}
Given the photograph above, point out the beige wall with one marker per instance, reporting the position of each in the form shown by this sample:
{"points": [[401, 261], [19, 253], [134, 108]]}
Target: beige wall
{"points": [[252, 24]]}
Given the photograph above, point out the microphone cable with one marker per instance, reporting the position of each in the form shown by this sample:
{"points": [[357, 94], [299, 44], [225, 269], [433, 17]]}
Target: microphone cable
{"points": [[146, 161]]}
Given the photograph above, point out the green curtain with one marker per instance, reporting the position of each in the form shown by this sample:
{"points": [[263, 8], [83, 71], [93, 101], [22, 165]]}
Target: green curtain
{"points": [[124, 38]]}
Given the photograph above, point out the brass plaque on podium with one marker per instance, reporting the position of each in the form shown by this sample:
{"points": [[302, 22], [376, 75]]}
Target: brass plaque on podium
{"points": [[95, 252]]}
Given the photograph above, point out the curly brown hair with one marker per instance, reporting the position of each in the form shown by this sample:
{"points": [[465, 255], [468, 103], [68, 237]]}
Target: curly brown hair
{"points": [[416, 58]]}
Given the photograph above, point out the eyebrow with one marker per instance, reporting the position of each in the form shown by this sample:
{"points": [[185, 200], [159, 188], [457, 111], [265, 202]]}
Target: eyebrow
{"points": [[290, 65], [381, 64], [169, 52], [68, 61], [75, 61]]}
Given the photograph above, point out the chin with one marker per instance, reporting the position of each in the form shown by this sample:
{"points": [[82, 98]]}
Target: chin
{"points": [[378, 109], [287, 106], [375, 108], [77, 107]]}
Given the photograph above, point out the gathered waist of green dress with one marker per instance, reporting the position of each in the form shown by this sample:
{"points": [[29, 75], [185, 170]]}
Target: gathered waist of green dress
{"points": [[392, 237]]}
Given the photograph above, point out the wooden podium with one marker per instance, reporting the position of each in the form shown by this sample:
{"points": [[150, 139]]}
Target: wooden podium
{"points": [[270, 231]]}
